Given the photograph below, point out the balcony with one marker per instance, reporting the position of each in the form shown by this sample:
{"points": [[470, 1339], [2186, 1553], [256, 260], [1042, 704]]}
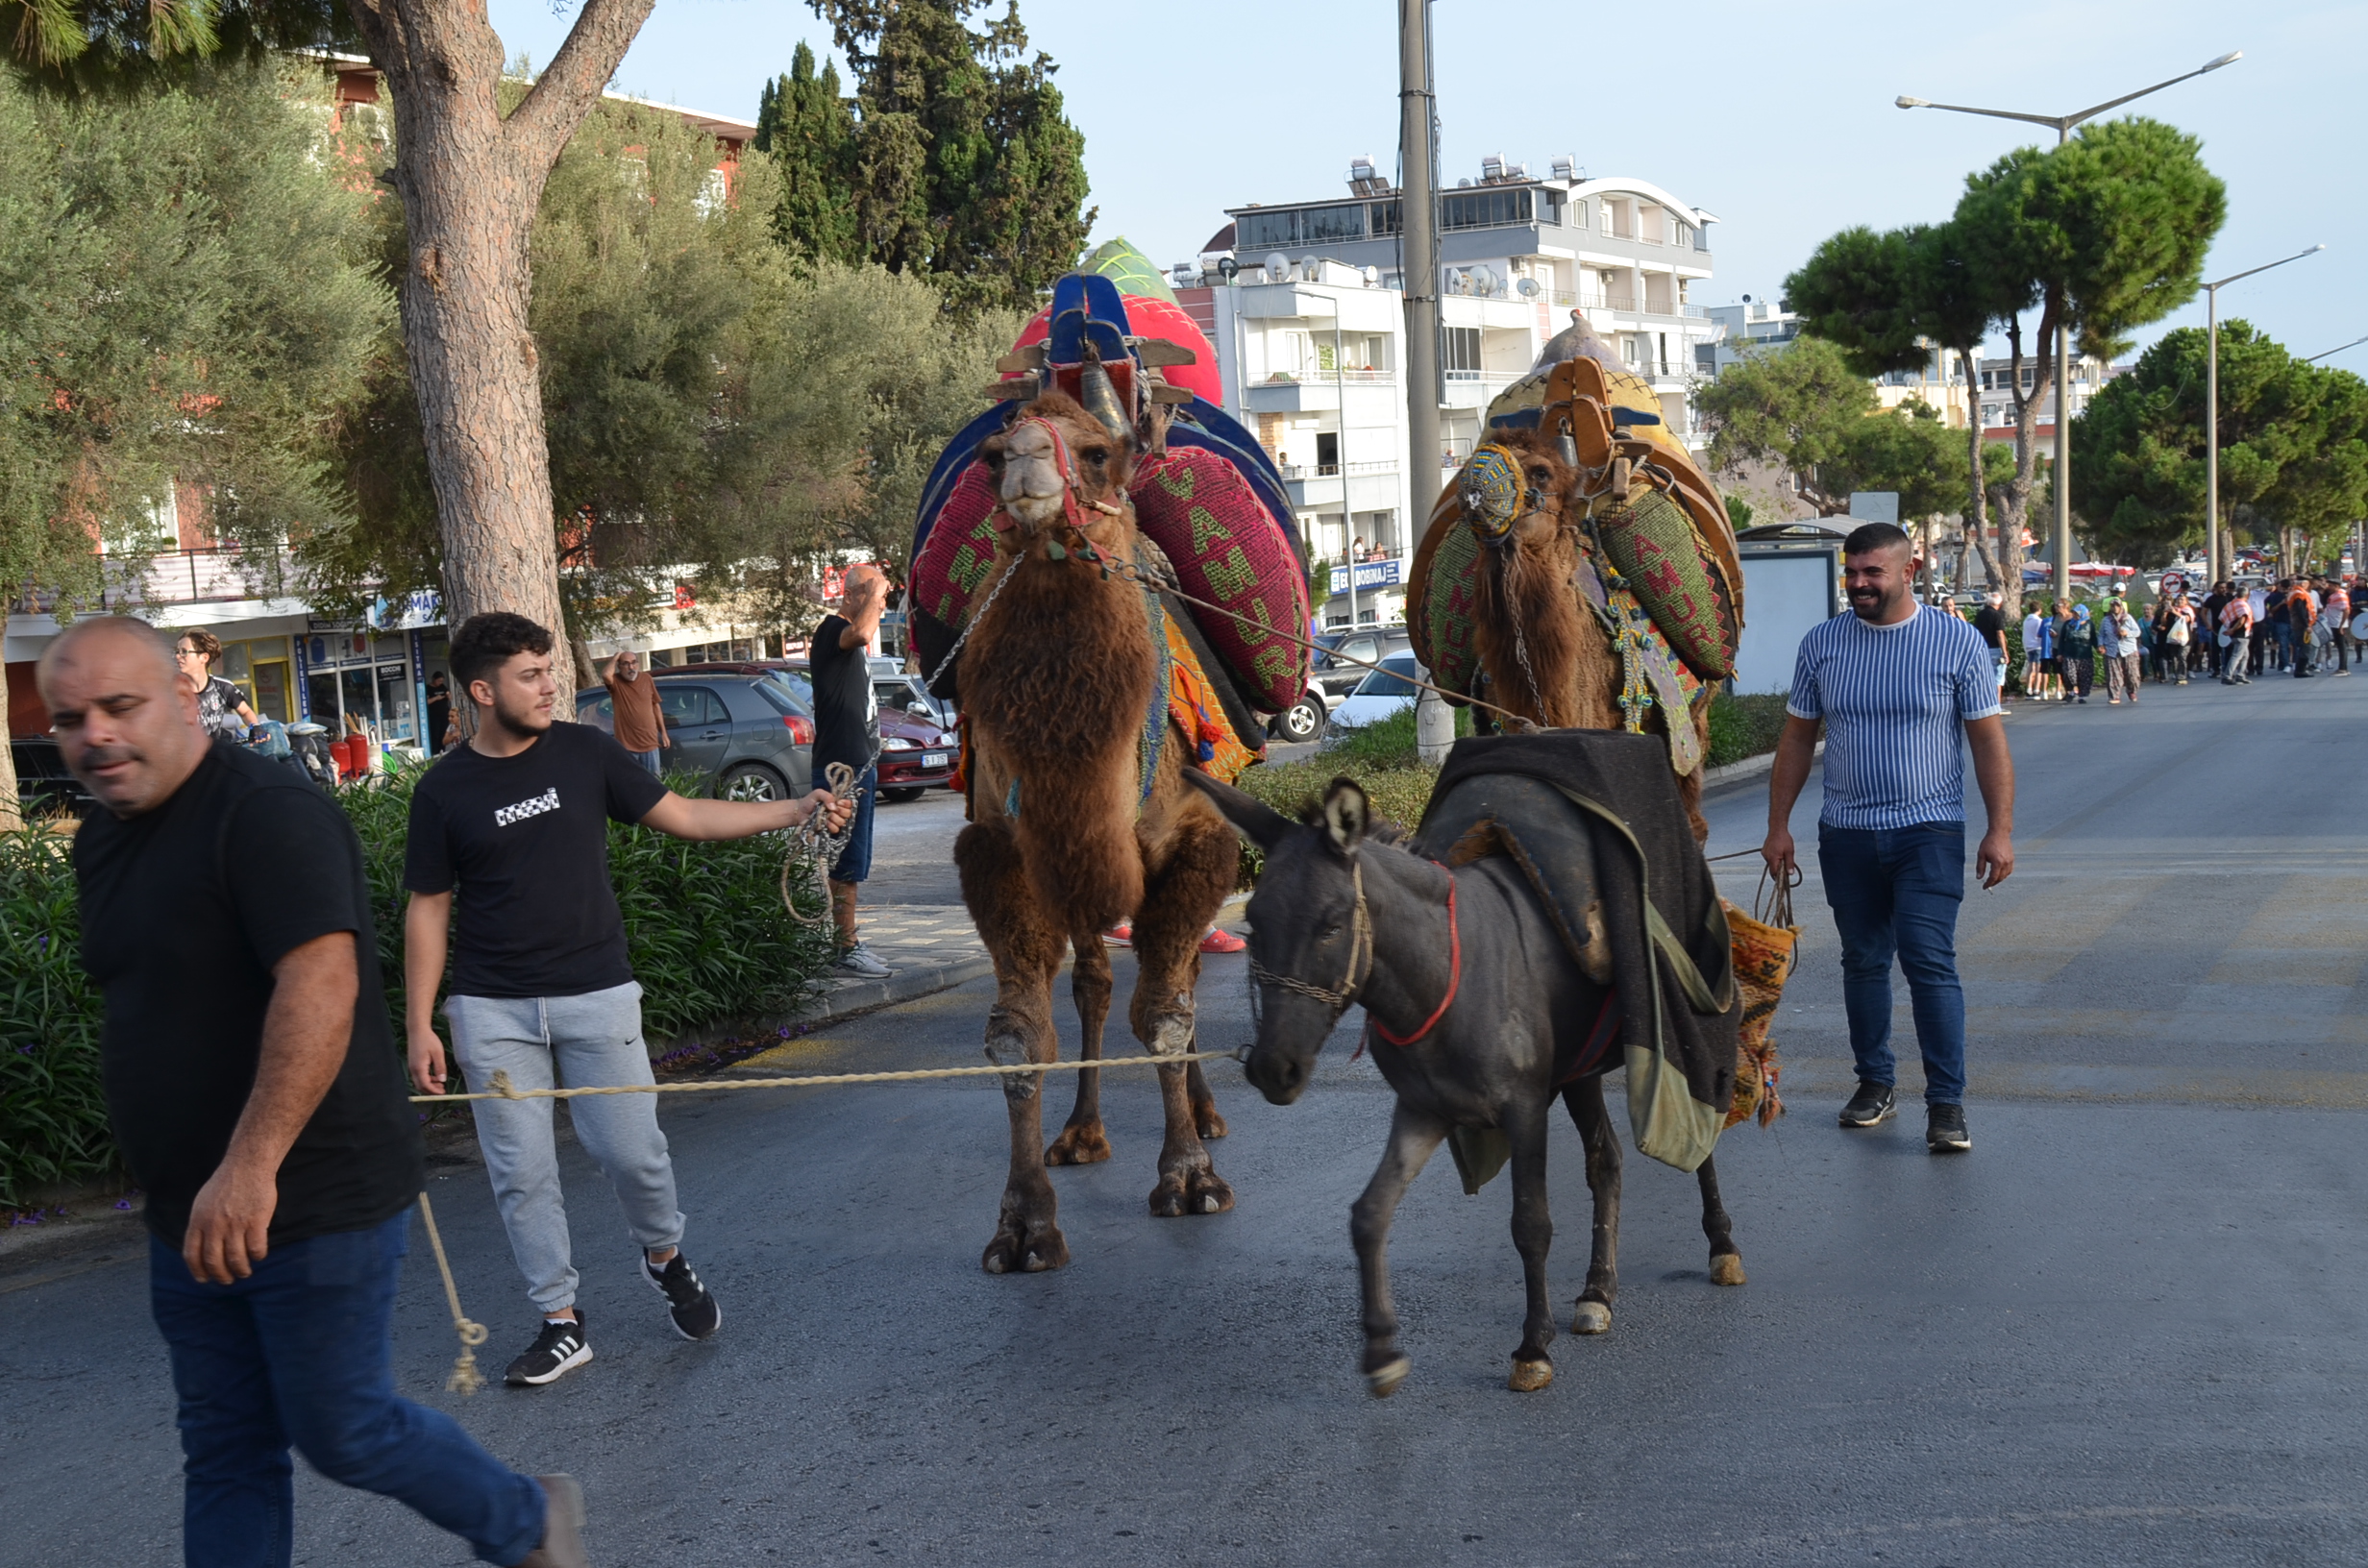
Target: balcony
{"points": [[183, 577], [1364, 487], [1629, 305]]}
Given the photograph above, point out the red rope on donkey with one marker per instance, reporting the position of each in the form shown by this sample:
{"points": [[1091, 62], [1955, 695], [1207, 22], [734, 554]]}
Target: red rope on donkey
{"points": [[1455, 977]]}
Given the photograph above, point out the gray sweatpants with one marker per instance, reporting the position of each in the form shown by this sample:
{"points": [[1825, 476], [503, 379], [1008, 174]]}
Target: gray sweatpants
{"points": [[577, 1041]]}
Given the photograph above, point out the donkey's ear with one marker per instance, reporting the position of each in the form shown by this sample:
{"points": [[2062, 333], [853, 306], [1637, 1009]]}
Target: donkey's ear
{"points": [[1347, 813], [1251, 818]]}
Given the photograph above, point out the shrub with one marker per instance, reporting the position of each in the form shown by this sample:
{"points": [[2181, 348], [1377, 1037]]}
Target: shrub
{"points": [[1744, 726], [704, 927]]}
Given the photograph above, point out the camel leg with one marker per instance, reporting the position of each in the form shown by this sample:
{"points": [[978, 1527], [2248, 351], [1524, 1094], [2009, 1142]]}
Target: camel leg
{"points": [[1179, 898], [1414, 1138], [1083, 1142], [1592, 1311], [1027, 950], [1726, 1262], [1533, 1234], [1205, 1119]]}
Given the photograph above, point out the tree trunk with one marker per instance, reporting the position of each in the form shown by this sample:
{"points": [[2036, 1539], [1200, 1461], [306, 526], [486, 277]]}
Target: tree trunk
{"points": [[11, 811], [2014, 509], [470, 181]]}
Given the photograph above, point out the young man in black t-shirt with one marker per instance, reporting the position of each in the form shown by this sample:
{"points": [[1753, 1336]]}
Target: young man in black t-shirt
{"points": [[1990, 620], [256, 1093], [847, 729], [508, 867]]}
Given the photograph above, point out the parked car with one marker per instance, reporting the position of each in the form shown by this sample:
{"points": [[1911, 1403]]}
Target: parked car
{"points": [[744, 729], [1334, 670], [917, 751], [1382, 692], [43, 785]]}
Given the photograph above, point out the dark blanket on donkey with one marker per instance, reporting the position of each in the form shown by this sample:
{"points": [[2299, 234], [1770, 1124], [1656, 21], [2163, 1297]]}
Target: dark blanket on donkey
{"points": [[1643, 855]]}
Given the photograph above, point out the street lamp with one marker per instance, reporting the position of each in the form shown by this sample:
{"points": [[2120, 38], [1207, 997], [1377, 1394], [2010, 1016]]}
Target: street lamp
{"points": [[2338, 349], [2063, 124], [2212, 404]]}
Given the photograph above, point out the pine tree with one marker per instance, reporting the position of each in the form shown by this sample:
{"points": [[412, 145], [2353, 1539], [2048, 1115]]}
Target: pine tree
{"points": [[810, 131]]}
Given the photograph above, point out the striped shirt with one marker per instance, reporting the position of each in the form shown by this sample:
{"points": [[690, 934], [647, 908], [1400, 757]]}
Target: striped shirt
{"points": [[1895, 701]]}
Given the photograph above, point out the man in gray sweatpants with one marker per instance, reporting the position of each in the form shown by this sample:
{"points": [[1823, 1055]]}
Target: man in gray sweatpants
{"points": [[507, 863]]}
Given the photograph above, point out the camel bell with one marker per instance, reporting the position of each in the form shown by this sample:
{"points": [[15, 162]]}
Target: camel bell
{"points": [[1101, 399]]}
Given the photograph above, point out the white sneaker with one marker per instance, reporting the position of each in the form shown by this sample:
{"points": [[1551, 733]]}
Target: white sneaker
{"points": [[859, 960]]}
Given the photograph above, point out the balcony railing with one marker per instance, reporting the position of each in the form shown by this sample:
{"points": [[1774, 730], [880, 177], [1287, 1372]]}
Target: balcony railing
{"points": [[1329, 471], [183, 577], [1313, 375]]}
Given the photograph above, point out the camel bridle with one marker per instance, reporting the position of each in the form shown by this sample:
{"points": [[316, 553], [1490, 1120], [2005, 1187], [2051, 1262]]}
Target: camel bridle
{"points": [[1073, 503]]}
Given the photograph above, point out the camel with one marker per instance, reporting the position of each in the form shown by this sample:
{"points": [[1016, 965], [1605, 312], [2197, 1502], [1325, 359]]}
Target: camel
{"points": [[1066, 836], [1545, 654]]}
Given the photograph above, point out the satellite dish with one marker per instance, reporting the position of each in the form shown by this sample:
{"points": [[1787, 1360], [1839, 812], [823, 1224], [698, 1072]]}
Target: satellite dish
{"points": [[1527, 288], [1228, 267], [1278, 267], [1484, 281], [1311, 269]]}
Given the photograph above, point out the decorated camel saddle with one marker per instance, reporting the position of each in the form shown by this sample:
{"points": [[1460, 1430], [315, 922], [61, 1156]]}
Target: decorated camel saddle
{"points": [[1656, 559], [1207, 499]]}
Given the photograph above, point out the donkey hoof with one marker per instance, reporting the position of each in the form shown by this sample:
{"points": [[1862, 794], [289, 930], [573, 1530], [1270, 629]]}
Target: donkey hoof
{"points": [[1590, 1317], [1727, 1268], [1528, 1377], [1383, 1381]]}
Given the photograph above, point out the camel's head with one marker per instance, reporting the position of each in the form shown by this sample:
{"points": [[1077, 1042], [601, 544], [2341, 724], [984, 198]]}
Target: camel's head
{"points": [[1053, 462], [1515, 488]]}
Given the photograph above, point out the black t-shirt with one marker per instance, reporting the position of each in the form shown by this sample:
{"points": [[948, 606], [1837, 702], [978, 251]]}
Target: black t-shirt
{"points": [[525, 840], [845, 709], [1991, 624], [185, 909]]}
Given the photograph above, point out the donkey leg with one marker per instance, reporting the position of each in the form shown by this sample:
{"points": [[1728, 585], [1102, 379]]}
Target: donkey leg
{"points": [[1179, 901], [1533, 1234], [1592, 1311], [1726, 1262], [1414, 1138], [1027, 950], [1082, 1140]]}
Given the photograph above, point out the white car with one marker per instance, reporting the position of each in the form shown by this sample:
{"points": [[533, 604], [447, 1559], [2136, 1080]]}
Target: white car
{"points": [[1382, 693]]}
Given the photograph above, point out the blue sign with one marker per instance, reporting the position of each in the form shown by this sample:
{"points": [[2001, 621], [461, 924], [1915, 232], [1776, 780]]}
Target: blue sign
{"points": [[1371, 575], [424, 608]]}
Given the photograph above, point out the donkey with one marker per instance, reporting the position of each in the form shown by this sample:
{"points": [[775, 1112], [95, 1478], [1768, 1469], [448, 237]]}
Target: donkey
{"points": [[1468, 991]]}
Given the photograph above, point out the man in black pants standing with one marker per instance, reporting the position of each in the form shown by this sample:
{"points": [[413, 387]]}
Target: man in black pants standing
{"points": [[254, 1090], [847, 729]]}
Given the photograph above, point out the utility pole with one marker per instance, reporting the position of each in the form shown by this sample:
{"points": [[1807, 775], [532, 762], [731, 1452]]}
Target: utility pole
{"points": [[1419, 236], [2211, 415]]}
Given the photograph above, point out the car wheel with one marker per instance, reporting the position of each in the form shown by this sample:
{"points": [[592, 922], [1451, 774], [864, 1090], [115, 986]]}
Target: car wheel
{"points": [[1302, 721], [751, 781], [910, 792]]}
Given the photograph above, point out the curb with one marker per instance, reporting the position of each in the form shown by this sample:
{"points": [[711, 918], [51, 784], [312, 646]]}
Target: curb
{"points": [[1750, 767]]}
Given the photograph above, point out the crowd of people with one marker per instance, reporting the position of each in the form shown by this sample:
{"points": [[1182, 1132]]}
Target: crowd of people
{"points": [[2299, 626]]}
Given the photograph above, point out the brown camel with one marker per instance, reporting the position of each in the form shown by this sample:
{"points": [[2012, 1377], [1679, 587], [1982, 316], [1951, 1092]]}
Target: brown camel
{"points": [[1065, 841], [1546, 655]]}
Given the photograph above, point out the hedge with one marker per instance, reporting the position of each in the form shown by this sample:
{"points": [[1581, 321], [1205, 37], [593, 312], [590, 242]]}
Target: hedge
{"points": [[704, 927]]}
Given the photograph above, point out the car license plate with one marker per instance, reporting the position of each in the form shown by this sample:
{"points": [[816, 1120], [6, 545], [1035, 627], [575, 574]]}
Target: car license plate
{"points": [[933, 759]]}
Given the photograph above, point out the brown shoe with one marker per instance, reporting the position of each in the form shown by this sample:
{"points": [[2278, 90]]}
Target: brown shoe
{"points": [[562, 1527]]}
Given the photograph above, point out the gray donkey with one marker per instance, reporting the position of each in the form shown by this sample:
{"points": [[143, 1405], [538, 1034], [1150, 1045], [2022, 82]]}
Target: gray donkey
{"points": [[1466, 970]]}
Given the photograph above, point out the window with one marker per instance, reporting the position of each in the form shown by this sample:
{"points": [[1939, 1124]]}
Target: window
{"points": [[1267, 230], [687, 705], [1382, 219], [1484, 209], [1550, 206], [1327, 452], [1322, 223], [1303, 226], [1460, 351]]}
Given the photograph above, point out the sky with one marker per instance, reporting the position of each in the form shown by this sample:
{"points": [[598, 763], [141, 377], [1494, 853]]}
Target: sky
{"points": [[1777, 119]]}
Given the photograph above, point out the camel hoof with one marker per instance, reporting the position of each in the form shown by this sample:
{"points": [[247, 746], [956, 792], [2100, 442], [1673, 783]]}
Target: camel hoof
{"points": [[1204, 1193], [1012, 1254], [1528, 1377], [1727, 1268], [1590, 1317], [1383, 1381], [1078, 1147], [1207, 1122]]}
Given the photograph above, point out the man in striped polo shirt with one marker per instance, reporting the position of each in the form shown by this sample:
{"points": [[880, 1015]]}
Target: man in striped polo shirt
{"points": [[1894, 687]]}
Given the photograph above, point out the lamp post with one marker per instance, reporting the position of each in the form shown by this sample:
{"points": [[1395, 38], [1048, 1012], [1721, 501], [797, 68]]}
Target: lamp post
{"points": [[2212, 404], [2337, 349], [2062, 541]]}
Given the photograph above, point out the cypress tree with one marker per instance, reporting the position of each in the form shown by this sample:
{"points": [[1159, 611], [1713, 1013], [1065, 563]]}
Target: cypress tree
{"points": [[810, 131]]}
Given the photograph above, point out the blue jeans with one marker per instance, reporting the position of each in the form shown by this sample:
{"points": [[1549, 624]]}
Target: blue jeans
{"points": [[298, 1354], [649, 759], [855, 862], [1896, 891]]}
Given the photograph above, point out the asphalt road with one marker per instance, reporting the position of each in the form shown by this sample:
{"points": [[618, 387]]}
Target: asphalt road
{"points": [[2128, 1329]]}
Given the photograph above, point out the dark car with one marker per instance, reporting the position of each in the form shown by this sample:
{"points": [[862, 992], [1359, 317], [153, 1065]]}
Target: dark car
{"points": [[744, 729], [43, 786], [1335, 672], [916, 751]]}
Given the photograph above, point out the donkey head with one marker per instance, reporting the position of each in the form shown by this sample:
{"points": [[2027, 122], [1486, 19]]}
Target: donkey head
{"points": [[1310, 943], [1053, 464]]}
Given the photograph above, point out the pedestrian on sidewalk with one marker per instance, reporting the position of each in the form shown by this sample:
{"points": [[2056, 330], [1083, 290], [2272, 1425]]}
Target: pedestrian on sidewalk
{"points": [[2047, 667], [267, 1125], [2208, 624], [2118, 640], [2335, 615], [508, 867], [2076, 636], [2175, 636], [2301, 614], [222, 707], [1990, 620], [2035, 657], [2235, 640], [847, 731], [639, 715], [1899, 693]]}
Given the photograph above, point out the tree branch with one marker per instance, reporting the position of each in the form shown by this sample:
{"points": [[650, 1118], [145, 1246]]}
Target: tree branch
{"points": [[570, 85]]}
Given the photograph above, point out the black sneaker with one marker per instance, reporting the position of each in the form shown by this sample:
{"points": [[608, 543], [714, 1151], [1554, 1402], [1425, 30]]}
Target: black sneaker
{"points": [[1944, 1130], [1870, 1107], [560, 1347], [694, 1310]]}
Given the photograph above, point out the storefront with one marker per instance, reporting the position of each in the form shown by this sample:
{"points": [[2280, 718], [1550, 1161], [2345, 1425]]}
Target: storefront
{"points": [[372, 678]]}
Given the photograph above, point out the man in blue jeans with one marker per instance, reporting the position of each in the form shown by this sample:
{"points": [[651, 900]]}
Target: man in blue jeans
{"points": [[254, 1090], [1895, 688]]}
